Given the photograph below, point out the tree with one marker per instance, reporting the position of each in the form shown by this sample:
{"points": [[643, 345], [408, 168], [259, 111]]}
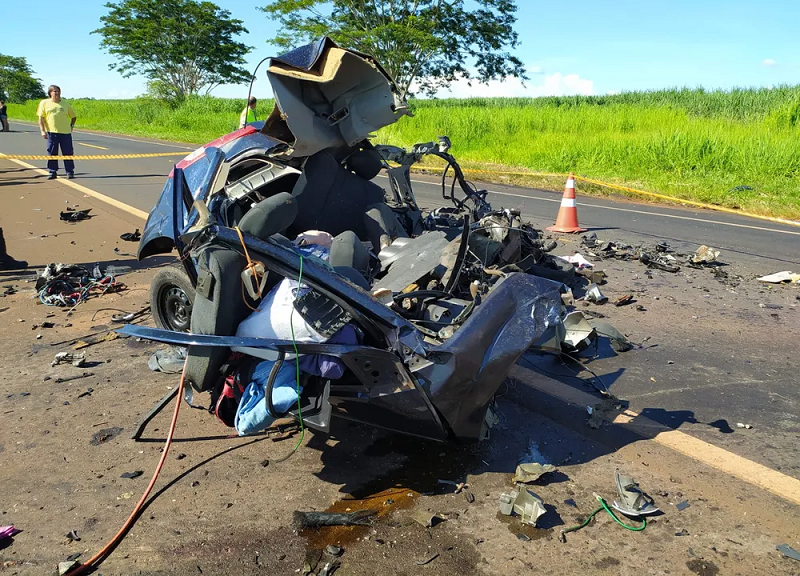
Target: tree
{"points": [[183, 46], [431, 41], [17, 83]]}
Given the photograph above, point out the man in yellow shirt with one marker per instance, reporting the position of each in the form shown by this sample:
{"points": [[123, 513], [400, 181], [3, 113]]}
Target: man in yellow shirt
{"points": [[56, 119], [249, 113]]}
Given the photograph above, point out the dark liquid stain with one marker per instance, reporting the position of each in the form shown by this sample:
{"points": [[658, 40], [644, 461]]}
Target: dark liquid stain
{"points": [[516, 527], [398, 489]]}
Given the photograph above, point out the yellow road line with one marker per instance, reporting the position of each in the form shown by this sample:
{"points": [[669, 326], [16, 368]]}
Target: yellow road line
{"points": [[92, 145], [88, 191], [89, 157], [782, 485]]}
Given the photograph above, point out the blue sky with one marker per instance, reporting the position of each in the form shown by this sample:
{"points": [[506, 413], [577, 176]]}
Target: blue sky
{"points": [[580, 46]]}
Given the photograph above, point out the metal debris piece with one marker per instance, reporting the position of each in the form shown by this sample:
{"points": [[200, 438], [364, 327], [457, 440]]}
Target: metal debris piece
{"points": [[301, 520], [329, 568], [681, 506], [579, 334], [594, 295], [632, 499], [76, 360], [66, 566], [788, 551], [134, 474], [705, 255], [334, 550], [427, 519], [618, 341], [623, 300], [532, 471], [73, 536], [524, 503]]}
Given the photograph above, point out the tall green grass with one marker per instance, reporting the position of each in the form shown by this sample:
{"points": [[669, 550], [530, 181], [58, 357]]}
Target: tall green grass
{"points": [[738, 148]]}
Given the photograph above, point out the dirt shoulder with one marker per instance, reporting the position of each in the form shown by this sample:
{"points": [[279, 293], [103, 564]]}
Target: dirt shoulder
{"points": [[223, 505]]}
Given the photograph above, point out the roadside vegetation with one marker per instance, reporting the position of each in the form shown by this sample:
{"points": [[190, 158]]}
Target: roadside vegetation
{"points": [[737, 148]]}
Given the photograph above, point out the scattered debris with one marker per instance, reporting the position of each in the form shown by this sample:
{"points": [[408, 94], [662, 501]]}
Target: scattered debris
{"points": [[302, 520], [427, 560], [781, 277], [134, 474], [73, 536], [77, 360], [469, 497], [623, 300], [578, 333], [66, 566], [88, 392], [683, 532], [334, 550], [571, 502], [617, 340], [603, 412], [71, 378], [681, 506], [71, 215], [632, 499], [705, 255], [329, 568], [741, 425], [8, 532], [168, 360], [106, 336], [427, 519], [134, 236], [523, 503], [788, 551], [69, 284], [459, 486], [594, 295], [532, 471], [577, 260], [104, 435]]}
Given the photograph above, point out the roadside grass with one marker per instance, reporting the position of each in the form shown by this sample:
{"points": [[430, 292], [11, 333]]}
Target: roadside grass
{"points": [[739, 148]]}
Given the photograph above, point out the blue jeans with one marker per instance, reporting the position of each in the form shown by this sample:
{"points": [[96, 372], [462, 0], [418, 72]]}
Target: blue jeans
{"points": [[64, 141]]}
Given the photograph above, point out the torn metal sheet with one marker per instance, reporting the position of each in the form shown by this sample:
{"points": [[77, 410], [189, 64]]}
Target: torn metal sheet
{"points": [[618, 340], [532, 471], [632, 499], [788, 551], [523, 503], [594, 295], [414, 260], [579, 333]]}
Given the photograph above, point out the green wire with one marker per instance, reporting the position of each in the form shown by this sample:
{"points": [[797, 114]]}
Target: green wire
{"points": [[297, 361], [603, 506]]}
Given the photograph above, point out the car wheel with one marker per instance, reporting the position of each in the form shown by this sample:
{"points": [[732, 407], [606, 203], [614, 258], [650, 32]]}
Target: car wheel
{"points": [[171, 299]]}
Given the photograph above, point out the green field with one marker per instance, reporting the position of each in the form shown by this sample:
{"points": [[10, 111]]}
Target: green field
{"points": [[737, 148]]}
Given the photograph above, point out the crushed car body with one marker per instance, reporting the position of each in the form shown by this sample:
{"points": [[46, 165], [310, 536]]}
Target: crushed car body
{"points": [[315, 293]]}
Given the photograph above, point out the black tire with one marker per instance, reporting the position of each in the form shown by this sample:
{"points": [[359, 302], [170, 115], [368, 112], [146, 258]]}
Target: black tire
{"points": [[172, 299]]}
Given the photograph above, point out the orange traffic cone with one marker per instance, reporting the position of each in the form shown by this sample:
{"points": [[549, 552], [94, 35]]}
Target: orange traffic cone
{"points": [[567, 219]]}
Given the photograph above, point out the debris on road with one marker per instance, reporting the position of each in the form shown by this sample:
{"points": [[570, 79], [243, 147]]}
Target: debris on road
{"points": [[427, 519], [578, 332], [427, 560], [523, 503], [334, 550], [8, 532], [603, 412], [616, 338], [632, 500], [531, 471], [577, 260], [73, 536], [104, 435], [131, 475], [72, 215], [71, 378], [785, 277], [303, 520], [741, 425], [624, 300], [681, 506], [594, 295], [77, 360], [134, 236], [705, 255], [167, 360], [788, 551], [66, 566], [70, 284]]}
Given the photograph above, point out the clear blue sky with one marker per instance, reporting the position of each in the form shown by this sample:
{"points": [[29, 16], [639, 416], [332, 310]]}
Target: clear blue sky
{"points": [[581, 46]]}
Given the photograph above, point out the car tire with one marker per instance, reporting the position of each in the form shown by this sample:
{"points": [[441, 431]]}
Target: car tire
{"points": [[172, 299]]}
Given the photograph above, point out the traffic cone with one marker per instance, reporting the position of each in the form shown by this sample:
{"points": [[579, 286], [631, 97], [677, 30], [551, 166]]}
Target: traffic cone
{"points": [[567, 219]]}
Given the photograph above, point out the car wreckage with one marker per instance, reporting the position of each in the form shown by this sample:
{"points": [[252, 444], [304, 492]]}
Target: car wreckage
{"points": [[309, 291]]}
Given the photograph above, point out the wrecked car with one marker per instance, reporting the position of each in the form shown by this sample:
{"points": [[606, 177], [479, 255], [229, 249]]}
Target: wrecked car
{"points": [[307, 290]]}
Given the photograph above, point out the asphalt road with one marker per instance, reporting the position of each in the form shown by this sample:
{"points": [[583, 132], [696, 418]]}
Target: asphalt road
{"points": [[138, 182], [713, 378]]}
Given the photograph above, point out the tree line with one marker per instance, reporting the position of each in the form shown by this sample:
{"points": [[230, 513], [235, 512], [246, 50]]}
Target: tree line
{"points": [[189, 47]]}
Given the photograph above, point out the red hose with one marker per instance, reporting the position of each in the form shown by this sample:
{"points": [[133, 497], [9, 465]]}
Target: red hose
{"points": [[98, 558]]}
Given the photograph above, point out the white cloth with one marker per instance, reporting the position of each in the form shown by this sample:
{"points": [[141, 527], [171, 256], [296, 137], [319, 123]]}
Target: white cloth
{"points": [[577, 260]]}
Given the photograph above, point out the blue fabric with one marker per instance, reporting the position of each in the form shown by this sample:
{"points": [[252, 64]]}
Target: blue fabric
{"points": [[54, 141], [253, 415]]}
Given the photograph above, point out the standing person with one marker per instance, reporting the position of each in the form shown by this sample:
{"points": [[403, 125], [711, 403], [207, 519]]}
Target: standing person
{"points": [[249, 113], [3, 117], [56, 120]]}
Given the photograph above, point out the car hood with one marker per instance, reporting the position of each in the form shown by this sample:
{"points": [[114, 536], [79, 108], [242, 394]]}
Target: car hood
{"points": [[327, 96]]}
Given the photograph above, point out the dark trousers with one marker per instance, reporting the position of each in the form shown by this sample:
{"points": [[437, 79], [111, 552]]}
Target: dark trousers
{"points": [[64, 141]]}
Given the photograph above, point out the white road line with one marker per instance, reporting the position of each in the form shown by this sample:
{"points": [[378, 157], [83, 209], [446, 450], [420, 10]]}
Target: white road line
{"points": [[693, 219]]}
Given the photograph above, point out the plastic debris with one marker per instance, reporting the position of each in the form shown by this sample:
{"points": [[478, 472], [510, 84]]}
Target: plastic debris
{"points": [[741, 425], [632, 499], [577, 260], [523, 503], [532, 471], [8, 532], [788, 551], [134, 236], [681, 506], [781, 277]]}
